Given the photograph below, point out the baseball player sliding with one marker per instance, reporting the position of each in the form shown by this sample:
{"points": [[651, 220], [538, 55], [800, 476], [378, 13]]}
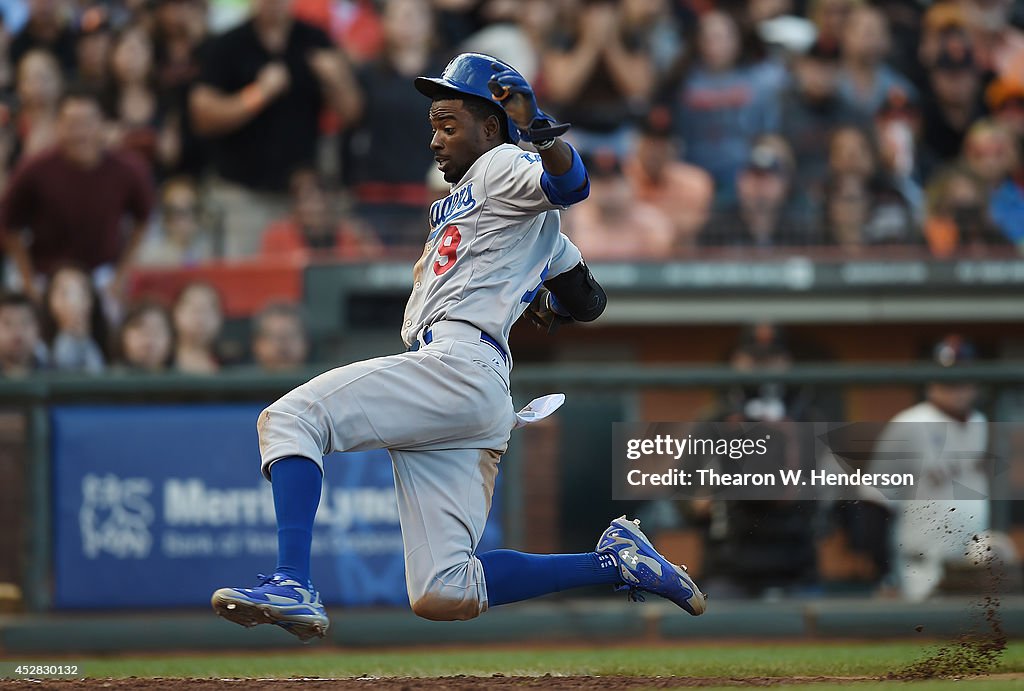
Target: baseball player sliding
{"points": [[443, 408]]}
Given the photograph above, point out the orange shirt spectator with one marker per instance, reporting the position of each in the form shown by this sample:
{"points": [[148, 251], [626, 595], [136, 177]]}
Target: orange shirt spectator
{"points": [[312, 227]]}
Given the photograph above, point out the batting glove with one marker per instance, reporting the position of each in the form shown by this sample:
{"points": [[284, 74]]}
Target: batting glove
{"points": [[533, 123], [545, 312]]}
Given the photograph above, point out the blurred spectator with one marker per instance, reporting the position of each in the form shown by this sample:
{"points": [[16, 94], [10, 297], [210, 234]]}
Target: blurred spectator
{"points": [[279, 339], [847, 209], [954, 100], [132, 103], [313, 225], [943, 20], [145, 341], [861, 211], [47, 29], [179, 236], [259, 95], [39, 89], [598, 226], [762, 216], [73, 322], [865, 79], [853, 153], [598, 76], [958, 216], [991, 153], [1007, 205], [92, 49], [386, 154], [1005, 99], [988, 150], [810, 111], [761, 548], [20, 348], [74, 200], [197, 318], [722, 104], [898, 125], [681, 191], [179, 30], [1000, 45], [831, 17]]}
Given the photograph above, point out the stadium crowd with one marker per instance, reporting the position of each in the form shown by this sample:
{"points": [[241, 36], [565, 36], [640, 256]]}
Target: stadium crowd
{"points": [[171, 133]]}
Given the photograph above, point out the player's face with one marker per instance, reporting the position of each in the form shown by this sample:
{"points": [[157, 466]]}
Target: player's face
{"points": [[458, 138]]}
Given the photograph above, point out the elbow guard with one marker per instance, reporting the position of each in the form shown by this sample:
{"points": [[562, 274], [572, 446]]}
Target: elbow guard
{"points": [[577, 293]]}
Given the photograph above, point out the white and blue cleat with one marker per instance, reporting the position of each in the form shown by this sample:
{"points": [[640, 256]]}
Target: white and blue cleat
{"points": [[644, 570], [279, 600]]}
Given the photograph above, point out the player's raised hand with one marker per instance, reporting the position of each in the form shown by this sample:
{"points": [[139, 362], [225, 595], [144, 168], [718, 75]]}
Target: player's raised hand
{"points": [[514, 93]]}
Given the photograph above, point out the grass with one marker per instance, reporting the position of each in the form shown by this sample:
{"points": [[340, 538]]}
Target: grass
{"points": [[684, 659]]}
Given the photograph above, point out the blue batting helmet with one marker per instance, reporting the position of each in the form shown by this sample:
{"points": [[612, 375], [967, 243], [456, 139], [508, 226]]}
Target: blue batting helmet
{"points": [[467, 74]]}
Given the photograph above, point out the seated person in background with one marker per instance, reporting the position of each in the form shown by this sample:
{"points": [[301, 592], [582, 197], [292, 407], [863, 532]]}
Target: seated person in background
{"points": [[197, 318], [681, 191], [993, 154], [73, 322], [279, 339], [313, 227], [21, 350], [145, 341], [178, 237], [990, 152], [958, 218], [862, 205], [613, 224], [859, 213], [762, 215]]}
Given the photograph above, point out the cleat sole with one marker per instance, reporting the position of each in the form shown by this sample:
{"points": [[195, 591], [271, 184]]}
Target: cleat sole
{"points": [[249, 614]]}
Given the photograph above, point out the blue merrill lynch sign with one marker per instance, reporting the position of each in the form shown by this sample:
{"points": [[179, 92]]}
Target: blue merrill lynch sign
{"points": [[159, 505]]}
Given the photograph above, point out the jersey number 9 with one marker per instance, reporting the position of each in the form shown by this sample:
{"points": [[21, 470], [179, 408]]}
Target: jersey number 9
{"points": [[446, 249]]}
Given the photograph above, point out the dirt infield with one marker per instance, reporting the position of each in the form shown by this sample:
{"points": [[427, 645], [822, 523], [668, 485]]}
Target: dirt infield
{"points": [[462, 683]]}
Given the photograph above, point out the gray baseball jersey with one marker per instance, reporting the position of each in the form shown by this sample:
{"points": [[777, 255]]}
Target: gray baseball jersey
{"points": [[492, 241], [443, 411]]}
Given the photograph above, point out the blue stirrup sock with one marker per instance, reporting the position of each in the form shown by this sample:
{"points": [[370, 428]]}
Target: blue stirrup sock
{"points": [[513, 576], [296, 483]]}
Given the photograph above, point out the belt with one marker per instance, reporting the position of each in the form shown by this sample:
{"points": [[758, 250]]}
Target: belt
{"points": [[428, 338]]}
